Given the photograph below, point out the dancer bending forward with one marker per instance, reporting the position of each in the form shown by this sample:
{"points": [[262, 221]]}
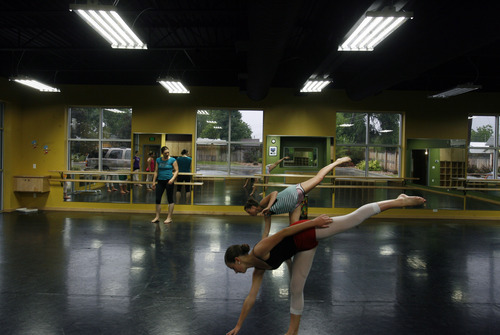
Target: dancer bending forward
{"points": [[298, 241], [288, 200]]}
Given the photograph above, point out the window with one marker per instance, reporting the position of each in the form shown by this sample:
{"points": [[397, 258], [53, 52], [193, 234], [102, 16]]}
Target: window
{"points": [[229, 142], [99, 138], [483, 147], [1, 155], [301, 157], [370, 137]]}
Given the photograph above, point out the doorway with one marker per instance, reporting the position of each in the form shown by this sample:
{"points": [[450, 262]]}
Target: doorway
{"points": [[420, 166]]}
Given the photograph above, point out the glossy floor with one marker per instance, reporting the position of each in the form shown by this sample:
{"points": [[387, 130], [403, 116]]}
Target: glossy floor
{"points": [[91, 273]]}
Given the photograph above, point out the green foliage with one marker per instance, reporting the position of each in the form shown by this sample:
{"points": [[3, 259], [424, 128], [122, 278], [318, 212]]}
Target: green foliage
{"points": [[239, 129], [351, 128], [482, 134], [372, 165]]}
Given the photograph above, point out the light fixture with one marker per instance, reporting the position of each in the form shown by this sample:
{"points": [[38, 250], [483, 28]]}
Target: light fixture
{"points": [[346, 125], [108, 23], [173, 86], [202, 112], [34, 84], [315, 85], [460, 89], [373, 28]]}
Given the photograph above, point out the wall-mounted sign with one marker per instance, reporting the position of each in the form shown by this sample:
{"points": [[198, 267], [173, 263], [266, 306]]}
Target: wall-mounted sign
{"points": [[273, 151]]}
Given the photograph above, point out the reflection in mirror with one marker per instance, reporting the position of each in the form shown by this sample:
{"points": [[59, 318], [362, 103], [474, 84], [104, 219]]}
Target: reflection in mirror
{"points": [[305, 156], [301, 157], [438, 165], [99, 140], [370, 137], [228, 155], [147, 150]]}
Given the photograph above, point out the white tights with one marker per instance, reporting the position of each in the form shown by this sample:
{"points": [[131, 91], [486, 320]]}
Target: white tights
{"points": [[302, 261]]}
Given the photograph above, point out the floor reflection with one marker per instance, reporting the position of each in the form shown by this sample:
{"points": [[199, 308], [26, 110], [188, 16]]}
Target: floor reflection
{"points": [[88, 273]]}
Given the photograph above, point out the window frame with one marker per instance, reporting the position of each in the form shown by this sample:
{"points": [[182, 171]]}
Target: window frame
{"points": [[496, 145], [100, 140], [229, 142], [367, 140]]}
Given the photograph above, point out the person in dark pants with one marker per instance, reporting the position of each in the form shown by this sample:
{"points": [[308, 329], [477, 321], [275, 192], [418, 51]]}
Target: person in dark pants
{"points": [[166, 171], [184, 163]]}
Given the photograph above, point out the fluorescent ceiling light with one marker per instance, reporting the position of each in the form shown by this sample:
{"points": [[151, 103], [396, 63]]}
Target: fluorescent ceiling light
{"points": [[108, 23], [202, 112], [34, 84], [386, 131], [173, 86], [373, 28], [460, 89], [115, 110], [315, 85], [345, 125]]}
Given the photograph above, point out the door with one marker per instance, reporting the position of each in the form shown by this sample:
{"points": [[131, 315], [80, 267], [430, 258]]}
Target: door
{"points": [[420, 166]]}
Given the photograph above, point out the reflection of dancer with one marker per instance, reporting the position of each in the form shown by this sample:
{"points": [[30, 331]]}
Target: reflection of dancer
{"points": [[298, 241], [269, 168], [184, 163], [288, 200], [166, 171], [123, 186], [137, 167], [150, 162], [110, 186]]}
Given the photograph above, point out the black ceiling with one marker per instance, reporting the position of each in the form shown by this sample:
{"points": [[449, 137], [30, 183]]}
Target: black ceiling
{"points": [[256, 45]]}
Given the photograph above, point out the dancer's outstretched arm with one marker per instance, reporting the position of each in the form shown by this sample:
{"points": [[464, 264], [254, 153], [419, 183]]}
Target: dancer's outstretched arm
{"points": [[268, 201], [258, 275]]}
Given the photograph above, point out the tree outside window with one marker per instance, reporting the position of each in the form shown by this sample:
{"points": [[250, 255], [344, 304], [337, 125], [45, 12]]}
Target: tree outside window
{"points": [[370, 137]]}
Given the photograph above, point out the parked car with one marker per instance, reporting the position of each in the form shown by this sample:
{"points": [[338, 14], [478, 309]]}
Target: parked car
{"points": [[112, 159]]}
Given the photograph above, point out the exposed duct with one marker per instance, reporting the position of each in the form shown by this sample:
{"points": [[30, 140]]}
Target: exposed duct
{"points": [[270, 24]]}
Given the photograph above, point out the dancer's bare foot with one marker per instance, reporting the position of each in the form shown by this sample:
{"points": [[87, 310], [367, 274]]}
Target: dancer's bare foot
{"points": [[167, 221], [155, 220], [409, 201], [342, 160]]}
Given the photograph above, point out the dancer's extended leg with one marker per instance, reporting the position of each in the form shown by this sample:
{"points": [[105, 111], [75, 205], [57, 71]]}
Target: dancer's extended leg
{"points": [[345, 222], [314, 181]]}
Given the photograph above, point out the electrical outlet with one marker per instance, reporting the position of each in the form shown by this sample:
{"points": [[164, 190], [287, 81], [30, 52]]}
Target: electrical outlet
{"points": [[34, 166]]}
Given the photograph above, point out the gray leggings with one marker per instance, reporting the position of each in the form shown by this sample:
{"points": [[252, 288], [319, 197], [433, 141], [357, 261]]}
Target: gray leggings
{"points": [[302, 261]]}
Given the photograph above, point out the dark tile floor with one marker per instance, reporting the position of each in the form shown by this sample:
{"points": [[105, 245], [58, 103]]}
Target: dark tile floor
{"points": [[91, 273]]}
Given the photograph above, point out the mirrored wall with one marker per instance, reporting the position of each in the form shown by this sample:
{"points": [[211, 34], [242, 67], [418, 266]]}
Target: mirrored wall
{"points": [[147, 147]]}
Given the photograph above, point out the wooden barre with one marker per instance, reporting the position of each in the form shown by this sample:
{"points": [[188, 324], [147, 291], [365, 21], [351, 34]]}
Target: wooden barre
{"points": [[117, 173], [336, 177], [477, 189], [337, 186], [117, 181]]}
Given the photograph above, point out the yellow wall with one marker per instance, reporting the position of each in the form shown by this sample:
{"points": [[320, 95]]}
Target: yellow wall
{"points": [[30, 115]]}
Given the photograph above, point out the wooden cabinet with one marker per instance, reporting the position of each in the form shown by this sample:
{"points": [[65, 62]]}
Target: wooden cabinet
{"points": [[450, 173], [37, 184]]}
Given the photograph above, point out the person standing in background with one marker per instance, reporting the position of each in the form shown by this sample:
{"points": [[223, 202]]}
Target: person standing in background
{"points": [[184, 163], [166, 171], [137, 167]]}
